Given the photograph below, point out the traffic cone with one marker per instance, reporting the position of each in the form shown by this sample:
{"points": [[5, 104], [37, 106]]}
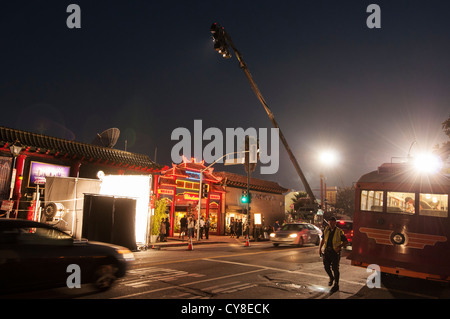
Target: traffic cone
{"points": [[247, 243], [190, 244]]}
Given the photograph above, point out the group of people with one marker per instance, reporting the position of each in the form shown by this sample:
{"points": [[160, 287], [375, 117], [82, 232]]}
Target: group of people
{"points": [[237, 228], [188, 227]]}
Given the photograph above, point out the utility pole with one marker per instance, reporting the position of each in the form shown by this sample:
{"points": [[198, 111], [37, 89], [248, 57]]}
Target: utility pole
{"points": [[221, 42]]}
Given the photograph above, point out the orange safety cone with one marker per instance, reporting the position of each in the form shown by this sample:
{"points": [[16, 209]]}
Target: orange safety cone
{"points": [[190, 244], [247, 243]]}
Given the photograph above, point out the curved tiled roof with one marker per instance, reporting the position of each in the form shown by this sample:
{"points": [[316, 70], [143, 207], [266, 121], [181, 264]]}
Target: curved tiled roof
{"points": [[236, 180], [181, 169], [58, 147]]}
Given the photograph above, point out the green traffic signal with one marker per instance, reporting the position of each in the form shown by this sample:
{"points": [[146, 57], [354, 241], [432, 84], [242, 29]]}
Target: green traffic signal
{"points": [[245, 197]]}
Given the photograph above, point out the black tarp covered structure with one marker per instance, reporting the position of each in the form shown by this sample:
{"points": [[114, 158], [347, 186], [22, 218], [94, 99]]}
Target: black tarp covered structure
{"points": [[110, 219]]}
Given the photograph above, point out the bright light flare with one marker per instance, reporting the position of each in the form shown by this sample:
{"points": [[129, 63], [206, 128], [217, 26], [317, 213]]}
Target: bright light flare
{"points": [[427, 163], [134, 186], [329, 157]]}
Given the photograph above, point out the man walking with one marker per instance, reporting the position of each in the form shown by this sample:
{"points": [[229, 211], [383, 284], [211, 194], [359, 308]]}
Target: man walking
{"points": [[334, 239]]}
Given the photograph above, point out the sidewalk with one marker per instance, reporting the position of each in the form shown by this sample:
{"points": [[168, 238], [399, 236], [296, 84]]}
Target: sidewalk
{"points": [[213, 239]]}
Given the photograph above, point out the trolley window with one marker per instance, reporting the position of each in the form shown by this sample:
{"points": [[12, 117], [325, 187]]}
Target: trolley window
{"points": [[401, 203], [372, 200], [435, 205]]}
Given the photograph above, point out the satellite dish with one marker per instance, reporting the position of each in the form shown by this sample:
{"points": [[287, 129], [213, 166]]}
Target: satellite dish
{"points": [[107, 138]]}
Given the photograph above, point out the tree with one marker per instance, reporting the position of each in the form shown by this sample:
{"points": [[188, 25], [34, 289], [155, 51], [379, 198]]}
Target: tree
{"points": [[446, 127], [300, 199], [443, 150], [160, 213], [345, 200]]}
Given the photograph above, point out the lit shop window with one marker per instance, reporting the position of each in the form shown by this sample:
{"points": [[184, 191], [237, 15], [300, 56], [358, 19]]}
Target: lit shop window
{"points": [[372, 200], [435, 205]]}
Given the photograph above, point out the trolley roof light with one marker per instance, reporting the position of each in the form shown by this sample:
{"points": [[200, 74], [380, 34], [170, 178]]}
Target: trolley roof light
{"points": [[427, 163]]}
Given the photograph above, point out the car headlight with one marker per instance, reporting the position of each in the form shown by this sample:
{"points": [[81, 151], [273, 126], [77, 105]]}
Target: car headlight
{"points": [[293, 236], [273, 235], [126, 254]]}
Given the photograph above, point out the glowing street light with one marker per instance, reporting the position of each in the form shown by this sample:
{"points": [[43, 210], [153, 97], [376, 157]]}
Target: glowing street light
{"points": [[329, 157]]}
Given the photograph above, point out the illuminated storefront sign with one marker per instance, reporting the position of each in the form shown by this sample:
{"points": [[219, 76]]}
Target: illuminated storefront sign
{"points": [[258, 219], [39, 171], [165, 191], [188, 196]]}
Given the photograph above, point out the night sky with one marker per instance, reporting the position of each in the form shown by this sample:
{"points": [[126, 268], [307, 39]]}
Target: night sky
{"points": [[149, 67]]}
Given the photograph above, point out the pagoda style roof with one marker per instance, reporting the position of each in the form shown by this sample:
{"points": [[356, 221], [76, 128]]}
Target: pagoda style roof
{"points": [[256, 184], [187, 168], [62, 148]]}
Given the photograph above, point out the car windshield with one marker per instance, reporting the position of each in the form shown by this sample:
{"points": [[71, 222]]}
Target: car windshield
{"points": [[34, 236], [292, 227]]}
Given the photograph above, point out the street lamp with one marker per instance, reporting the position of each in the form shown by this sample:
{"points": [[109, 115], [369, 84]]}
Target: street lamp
{"points": [[328, 158]]}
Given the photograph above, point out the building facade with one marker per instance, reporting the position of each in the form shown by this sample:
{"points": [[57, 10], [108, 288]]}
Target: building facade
{"points": [[27, 158], [266, 206], [180, 186], [222, 205]]}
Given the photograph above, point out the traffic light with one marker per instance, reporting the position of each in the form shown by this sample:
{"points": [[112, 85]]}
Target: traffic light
{"points": [[220, 40], [204, 190], [246, 197]]}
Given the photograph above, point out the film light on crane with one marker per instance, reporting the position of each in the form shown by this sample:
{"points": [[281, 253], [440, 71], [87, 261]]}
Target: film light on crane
{"points": [[427, 163]]}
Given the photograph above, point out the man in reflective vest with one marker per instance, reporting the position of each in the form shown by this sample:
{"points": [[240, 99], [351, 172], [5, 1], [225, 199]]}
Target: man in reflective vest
{"points": [[334, 239]]}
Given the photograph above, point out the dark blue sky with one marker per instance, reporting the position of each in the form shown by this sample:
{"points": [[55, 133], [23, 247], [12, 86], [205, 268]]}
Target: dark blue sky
{"points": [[149, 67]]}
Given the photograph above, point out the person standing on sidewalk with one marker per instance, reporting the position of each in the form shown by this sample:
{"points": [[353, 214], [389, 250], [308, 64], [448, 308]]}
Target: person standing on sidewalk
{"points": [[238, 228], [162, 231], [201, 226], [334, 239], [207, 224], [232, 228], [167, 228], [183, 227], [190, 228]]}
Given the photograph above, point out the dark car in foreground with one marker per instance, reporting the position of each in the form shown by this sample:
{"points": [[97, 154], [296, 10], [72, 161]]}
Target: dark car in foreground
{"points": [[296, 234], [36, 255]]}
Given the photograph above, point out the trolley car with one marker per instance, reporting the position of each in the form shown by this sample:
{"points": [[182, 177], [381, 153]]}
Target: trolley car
{"points": [[401, 222]]}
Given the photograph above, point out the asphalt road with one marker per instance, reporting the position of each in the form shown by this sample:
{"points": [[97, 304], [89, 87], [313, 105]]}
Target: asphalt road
{"points": [[236, 272]]}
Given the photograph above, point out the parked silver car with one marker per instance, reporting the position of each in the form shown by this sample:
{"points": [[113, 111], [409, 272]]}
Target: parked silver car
{"points": [[296, 234]]}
